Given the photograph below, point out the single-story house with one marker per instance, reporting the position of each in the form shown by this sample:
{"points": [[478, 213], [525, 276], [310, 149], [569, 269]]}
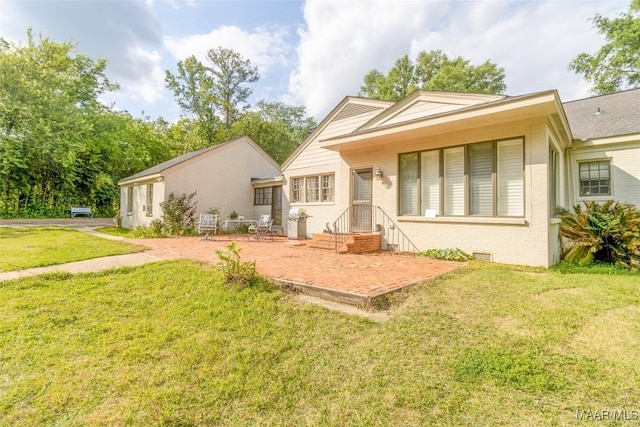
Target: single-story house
{"points": [[234, 176], [483, 173]]}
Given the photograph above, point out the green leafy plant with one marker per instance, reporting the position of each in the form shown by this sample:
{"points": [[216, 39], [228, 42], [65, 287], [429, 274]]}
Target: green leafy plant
{"points": [[179, 213], [451, 254], [236, 271], [233, 215], [214, 211], [156, 228], [607, 232]]}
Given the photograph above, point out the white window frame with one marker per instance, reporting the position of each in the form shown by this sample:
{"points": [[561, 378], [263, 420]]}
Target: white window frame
{"points": [[451, 186], [130, 200], [593, 178], [318, 188]]}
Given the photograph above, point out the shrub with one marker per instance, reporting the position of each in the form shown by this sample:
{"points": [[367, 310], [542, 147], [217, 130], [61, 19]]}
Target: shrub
{"points": [[454, 254], [236, 272], [154, 229], [606, 232], [179, 213]]}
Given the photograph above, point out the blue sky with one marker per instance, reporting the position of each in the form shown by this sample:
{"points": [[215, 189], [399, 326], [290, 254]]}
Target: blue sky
{"points": [[314, 52]]}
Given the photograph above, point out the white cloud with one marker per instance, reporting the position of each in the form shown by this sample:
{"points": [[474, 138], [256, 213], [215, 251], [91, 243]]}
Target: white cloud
{"points": [[533, 41], [265, 47], [125, 33]]}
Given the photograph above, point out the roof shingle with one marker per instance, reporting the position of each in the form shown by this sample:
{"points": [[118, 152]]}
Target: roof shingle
{"points": [[601, 116]]}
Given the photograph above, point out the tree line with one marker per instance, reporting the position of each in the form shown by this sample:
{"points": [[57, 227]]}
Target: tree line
{"points": [[60, 146]]}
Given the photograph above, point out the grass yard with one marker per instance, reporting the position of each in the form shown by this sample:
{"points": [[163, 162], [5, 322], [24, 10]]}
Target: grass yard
{"points": [[41, 246], [169, 344]]}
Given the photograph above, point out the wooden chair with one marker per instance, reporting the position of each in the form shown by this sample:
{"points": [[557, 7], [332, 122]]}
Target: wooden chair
{"points": [[208, 224]]}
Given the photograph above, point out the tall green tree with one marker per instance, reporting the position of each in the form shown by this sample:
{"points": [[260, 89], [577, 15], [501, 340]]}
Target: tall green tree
{"points": [[231, 74], [433, 70], [215, 94], [48, 95], [192, 87], [59, 145], [275, 126], [616, 65]]}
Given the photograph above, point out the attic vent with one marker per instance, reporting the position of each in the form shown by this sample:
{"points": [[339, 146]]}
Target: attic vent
{"points": [[482, 256], [351, 110]]}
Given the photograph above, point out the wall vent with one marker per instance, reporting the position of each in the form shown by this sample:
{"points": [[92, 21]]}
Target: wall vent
{"points": [[482, 256]]}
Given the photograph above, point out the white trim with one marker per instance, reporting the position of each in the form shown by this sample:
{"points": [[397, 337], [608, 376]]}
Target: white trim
{"points": [[465, 220]]}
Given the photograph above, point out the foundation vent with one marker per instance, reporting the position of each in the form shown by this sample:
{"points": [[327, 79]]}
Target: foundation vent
{"points": [[482, 256]]}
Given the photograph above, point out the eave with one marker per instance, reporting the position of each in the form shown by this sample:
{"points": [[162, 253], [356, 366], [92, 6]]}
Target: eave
{"points": [[541, 104]]}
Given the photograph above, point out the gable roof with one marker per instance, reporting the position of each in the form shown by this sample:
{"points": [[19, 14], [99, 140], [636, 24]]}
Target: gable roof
{"points": [[422, 103], [547, 102], [158, 169], [601, 116], [349, 107]]}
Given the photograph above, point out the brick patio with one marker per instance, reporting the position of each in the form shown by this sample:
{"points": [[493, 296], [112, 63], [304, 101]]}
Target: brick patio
{"points": [[348, 278]]}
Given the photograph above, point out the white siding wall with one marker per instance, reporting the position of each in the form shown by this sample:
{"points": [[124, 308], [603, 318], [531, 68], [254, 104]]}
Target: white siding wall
{"points": [[625, 171], [223, 179], [529, 240], [314, 160], [523, 241], [422, 109], [137, 215]]}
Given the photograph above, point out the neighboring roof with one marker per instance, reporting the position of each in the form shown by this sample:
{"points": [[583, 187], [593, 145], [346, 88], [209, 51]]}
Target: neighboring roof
{"points": [[158, 169], [615, 114]]}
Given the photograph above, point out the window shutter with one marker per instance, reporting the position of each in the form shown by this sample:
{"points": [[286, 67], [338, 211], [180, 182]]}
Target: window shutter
{"points": [[510, 178], [430, 180], [454, 181], [480, 179]]}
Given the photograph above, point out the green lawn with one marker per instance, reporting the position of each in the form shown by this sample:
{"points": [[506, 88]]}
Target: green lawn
{"points": [[169, 344], [28, 247]]}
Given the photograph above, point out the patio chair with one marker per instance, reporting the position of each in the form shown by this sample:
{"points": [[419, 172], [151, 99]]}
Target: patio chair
{"points": [[208, 224], [263, 226]]}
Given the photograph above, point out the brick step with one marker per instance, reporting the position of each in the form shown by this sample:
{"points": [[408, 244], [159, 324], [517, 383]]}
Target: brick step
{"points": [[323, 241], [356, 244]]}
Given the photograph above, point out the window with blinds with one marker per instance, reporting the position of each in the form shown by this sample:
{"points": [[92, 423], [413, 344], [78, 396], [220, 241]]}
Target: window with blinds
{"points": [[510, 178], [454, 181], [480, 179], [430, 181]]}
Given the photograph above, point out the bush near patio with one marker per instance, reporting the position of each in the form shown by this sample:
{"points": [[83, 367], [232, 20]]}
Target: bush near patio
{"points": [[178, 218], [607, 232]]}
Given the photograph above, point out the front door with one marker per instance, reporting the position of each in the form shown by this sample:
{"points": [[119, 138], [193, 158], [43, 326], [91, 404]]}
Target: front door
{"points": [[361, 200]]}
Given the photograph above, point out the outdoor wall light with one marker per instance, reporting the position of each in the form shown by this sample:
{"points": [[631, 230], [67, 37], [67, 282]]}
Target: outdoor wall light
{"points": [[378, 173]]}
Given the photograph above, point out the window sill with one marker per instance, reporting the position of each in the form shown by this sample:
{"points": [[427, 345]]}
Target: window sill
{"points": [[465, 220], [594, 197], [313, 203]]}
